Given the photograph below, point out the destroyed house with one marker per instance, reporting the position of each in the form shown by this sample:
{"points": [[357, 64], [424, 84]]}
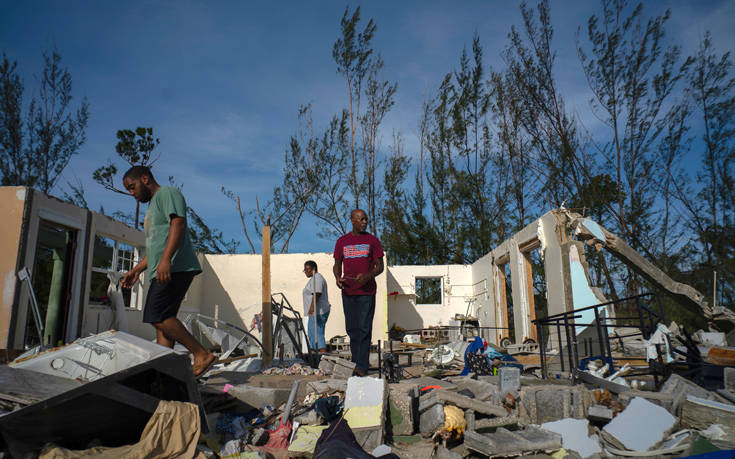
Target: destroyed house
{"points": [[72, 254]]}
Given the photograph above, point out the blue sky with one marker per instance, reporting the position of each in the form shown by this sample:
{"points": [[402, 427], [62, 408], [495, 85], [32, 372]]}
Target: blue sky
{"points": [[221, 82]]}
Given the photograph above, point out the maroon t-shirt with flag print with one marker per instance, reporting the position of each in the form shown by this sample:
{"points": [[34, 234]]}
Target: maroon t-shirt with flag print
{"points": [[358, 255]]}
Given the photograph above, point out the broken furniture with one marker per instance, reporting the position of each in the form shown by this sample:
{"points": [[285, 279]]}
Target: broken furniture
{"points": [[101, 390]]}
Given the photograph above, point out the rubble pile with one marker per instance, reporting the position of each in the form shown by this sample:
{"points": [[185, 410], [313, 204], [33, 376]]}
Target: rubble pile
{"points": [[418, 402]]}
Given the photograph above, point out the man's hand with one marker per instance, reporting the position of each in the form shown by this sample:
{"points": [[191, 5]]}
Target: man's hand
{"points": [[340, 283], [364, 278], [311, 310], [163, 271], [130, 278]]}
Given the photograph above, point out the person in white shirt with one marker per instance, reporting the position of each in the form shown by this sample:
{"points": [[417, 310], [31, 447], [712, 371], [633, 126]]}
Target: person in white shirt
{"points": [[316, 296]]}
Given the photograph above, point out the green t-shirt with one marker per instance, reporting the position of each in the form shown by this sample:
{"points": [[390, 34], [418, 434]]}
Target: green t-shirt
{"points": [[166, 202]]}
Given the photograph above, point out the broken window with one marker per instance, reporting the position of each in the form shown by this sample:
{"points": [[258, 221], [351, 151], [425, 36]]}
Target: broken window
{"points": [[52, 282], [428, 290], [112, 259]]}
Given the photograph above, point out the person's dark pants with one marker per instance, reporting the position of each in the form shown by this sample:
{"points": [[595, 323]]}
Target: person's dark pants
{"points": [[359, 312]]}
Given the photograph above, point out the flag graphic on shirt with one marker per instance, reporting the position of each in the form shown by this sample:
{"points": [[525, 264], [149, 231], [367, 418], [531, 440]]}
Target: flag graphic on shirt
{"points": [[356, 251]]}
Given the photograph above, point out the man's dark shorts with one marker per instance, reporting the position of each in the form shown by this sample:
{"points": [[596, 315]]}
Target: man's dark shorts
{"points": [[163, 301]]}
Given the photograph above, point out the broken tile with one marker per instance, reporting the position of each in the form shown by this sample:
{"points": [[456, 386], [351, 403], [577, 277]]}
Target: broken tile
{"points": [[575, 435], [641, 425]]}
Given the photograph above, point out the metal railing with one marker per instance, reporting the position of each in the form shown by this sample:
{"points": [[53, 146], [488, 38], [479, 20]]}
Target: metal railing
{"points": [[649, 311]]}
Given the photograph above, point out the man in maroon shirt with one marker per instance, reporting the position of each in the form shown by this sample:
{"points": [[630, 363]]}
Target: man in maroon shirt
{"points": [[358, 259]]}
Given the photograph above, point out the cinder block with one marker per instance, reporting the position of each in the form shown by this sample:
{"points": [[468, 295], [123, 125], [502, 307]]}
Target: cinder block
{"points": [[337, 367], [599, 413], [403, 408], [541, 404], [510, 380], [432, 419]]}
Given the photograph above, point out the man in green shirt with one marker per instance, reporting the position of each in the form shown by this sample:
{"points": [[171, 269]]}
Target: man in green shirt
{"points": [[170, 262]]}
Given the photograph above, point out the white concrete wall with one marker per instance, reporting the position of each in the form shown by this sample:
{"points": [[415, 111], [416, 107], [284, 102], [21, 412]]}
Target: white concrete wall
{"points": [[229, 289], [457, 287]]}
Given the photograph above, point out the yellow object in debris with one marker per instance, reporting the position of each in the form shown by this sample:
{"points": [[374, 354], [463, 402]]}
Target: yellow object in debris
{"points": [[561, 454], [454, 420]]}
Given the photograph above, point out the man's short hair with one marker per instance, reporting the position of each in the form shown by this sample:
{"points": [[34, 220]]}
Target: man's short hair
{"points": [[311, 264], [136, 172]]}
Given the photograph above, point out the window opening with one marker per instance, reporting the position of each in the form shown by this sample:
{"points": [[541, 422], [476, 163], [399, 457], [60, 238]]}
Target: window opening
{"points": [[114, 257], [428, 290]]}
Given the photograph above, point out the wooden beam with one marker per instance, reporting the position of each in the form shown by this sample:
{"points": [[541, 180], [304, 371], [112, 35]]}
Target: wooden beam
{"points": [[266, 298]]}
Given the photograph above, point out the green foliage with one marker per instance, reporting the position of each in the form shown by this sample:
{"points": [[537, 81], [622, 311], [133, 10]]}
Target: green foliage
{"points": [[34, 152]]}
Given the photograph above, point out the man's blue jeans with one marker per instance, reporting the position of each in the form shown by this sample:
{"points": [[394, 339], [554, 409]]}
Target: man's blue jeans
{"points": [[321, 322], [359, 312]]}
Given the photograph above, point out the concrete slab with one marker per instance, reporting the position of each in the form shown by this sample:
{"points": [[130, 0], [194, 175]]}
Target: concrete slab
{"points": [[440, 396], [506, 443], [680, 388], [482, 390], [424, 381], [699, 413], [640, 425], [575, 436]]}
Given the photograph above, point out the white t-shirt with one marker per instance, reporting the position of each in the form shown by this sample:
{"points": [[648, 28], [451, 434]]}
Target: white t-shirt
{"points": [[318, 284]]}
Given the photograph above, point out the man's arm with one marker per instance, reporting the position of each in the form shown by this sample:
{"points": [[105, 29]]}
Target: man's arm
{"points": [[337, 270], [131, 277], [375, 272], [175, 237]]}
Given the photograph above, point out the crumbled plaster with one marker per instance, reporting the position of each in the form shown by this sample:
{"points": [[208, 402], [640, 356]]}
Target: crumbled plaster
{"points": [[541, 238]]}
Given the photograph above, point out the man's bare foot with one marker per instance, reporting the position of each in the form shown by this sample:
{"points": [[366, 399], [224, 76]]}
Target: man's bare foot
{"points": [[201, 366], [323, 350]]}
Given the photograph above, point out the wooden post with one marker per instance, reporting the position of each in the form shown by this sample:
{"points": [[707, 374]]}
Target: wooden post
{"points": [[266, 298]]}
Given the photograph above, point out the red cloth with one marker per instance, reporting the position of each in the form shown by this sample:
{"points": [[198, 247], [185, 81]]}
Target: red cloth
{"points": [[358, 254]]}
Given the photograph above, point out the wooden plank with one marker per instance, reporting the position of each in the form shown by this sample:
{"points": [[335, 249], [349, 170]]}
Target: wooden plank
{"points": [[266, 298], [721, 356]]}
